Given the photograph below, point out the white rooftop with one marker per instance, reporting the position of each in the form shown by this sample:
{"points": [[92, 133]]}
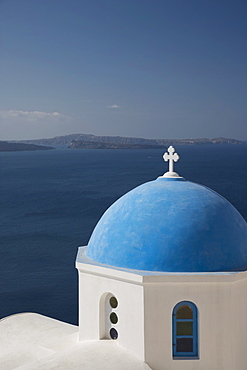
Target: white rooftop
{"points": [[30, 341]]}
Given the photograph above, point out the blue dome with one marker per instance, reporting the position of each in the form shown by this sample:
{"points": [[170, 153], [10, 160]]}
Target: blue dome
{"points": [[171, 225]]}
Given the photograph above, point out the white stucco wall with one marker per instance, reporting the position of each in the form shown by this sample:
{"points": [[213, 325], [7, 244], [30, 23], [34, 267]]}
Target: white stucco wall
{"points": [[130, 325], [213, 306], [145, 314], [239, 327]]}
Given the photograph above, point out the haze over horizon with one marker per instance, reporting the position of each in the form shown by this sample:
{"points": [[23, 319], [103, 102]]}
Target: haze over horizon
{"points": [[152, 69]]}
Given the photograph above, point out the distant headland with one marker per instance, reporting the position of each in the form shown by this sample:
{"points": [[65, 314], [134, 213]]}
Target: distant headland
{"points": [[20, 147], [111, 142], [89, 141]]}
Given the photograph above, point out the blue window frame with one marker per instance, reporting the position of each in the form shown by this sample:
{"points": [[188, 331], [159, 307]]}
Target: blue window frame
{"points": [[185, 330]]}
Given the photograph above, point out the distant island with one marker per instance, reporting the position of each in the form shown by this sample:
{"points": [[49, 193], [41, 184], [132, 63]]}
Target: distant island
{"points": [[108, 145], [20, 147], [89, 141]]}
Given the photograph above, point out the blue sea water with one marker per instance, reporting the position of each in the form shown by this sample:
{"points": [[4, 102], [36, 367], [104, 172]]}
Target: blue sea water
{"points": [[50, 202]]}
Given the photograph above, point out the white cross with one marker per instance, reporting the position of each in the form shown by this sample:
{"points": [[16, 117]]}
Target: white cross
{"points": [[171, 157]]}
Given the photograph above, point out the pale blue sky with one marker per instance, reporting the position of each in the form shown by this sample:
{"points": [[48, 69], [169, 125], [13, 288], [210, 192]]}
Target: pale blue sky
{"points": [[146, 68]]}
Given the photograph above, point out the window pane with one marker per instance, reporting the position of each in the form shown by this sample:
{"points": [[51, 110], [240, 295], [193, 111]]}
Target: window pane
{"points": [[184, 344], [185, 328], [184, 312], [113, 318], [113, 302], [113, 333]]}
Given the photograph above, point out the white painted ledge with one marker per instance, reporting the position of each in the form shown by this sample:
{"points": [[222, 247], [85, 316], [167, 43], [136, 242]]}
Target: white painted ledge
{"points": [[31, 341]]}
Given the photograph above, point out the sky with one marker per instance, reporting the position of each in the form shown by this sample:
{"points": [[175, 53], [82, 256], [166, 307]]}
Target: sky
{"points": [[142, 68]]}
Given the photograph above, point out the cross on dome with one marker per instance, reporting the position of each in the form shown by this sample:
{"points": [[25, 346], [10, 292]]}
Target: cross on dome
{"points": [[172, 157]]}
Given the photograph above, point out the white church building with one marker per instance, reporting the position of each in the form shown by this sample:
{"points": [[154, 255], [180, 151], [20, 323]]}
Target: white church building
{"points": [[162, 286]]}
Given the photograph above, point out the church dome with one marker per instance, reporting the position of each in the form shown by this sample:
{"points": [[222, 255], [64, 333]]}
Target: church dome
{"points": [[171, 225]]}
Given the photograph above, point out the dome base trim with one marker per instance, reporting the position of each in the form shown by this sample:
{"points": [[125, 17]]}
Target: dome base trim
{"points": [[82, 259]]}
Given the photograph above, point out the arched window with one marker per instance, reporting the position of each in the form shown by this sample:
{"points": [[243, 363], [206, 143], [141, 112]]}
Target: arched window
{"points": [[108, 328], [185, 330]]}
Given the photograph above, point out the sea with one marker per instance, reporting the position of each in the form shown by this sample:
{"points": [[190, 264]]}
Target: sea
{"points": [[50, 202]]}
